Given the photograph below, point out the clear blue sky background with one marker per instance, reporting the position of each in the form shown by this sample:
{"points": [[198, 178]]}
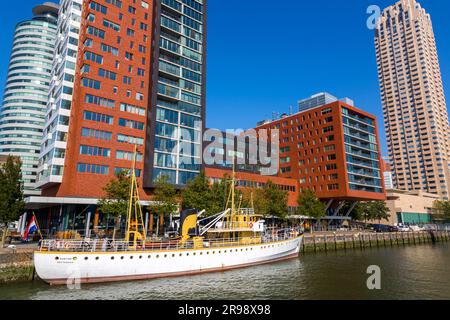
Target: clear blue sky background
{"points": [[264, 55]]}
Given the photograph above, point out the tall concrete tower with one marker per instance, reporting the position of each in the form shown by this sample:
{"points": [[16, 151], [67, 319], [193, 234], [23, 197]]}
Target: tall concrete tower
{"points": [[22, 116], [415, 112]]}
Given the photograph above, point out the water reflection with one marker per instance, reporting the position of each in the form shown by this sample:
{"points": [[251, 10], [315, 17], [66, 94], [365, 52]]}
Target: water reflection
{"points": [[413, 272]]}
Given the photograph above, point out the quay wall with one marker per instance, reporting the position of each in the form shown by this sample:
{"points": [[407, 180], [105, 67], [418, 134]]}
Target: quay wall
{"points": [[335, 242], [16, 267]]}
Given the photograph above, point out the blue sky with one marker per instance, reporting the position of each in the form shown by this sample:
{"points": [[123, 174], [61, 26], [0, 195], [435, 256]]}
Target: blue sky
{"points": [[263, 56]]}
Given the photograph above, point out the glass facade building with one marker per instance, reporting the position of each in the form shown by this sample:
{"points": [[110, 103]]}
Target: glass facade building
{"points": [[175, 148], [22, 116], [361, 150]]}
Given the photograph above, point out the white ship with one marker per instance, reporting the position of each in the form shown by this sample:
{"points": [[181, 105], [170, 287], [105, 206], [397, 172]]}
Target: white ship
{"points": [[235, 238]]}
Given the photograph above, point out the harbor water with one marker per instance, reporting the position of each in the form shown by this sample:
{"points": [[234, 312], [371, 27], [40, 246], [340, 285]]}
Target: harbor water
{"points": [[407, 272]]}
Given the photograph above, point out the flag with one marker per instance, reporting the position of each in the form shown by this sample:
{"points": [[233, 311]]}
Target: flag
{"points": [[32, 227]]}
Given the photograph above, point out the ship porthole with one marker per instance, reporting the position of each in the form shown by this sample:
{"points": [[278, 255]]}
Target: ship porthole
{"points": [[194, 254], [173, 255], [74, 258], [181, 254], [157, 256], [56, 258], [149, 257], [85, 258], [122, 257], [131, 257], [112, 258], [96, 258], [201, 253], [140, 257], [165, 256]]}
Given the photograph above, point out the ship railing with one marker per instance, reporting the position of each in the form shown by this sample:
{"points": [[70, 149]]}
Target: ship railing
{"points": [[105, 245]]}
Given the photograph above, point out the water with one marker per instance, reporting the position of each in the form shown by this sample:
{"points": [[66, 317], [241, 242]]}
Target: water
{"points": [[412, 272]]}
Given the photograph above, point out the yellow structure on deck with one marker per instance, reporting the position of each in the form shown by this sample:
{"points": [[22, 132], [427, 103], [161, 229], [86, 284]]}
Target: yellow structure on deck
{"points": [[135, 232]]}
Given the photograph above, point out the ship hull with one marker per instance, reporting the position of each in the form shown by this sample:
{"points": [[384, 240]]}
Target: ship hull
{"points": [[59, 268]]}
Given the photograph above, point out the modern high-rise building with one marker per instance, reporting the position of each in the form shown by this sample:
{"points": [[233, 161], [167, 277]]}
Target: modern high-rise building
{"points": [[415, 112], [125, 73], [387, 173], [22, 116]]}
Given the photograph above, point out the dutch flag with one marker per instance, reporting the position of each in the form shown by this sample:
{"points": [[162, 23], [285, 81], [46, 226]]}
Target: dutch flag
{"points": [[32, 227]]}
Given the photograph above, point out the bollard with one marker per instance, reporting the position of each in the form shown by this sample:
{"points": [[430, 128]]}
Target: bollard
{"points": [[314, 242]]}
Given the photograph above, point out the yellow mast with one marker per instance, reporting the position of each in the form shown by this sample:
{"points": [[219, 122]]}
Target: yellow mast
{"points": [[135, 217]]}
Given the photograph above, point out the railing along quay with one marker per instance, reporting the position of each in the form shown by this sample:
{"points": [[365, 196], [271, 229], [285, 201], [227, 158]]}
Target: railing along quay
{"points": [[336, 241]]}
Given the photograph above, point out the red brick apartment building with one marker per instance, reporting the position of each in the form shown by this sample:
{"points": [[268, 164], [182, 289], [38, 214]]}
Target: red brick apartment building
{"points": [[131, 73], [332, 149]]}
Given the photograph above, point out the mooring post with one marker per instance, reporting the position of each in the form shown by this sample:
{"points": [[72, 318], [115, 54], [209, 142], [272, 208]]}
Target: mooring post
{"points": [[361, 240], [314, 242]]}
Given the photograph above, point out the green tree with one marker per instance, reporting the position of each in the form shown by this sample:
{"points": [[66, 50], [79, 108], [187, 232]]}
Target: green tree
{"points": [[164, 199], [115, 202], [11, 193], [379, 211], [371, 210], [200, 195], [271, 201], [310, 205], [442, 209]]}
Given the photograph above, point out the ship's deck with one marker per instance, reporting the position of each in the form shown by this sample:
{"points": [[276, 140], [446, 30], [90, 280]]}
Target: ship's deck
{"points": [[105, 245]]}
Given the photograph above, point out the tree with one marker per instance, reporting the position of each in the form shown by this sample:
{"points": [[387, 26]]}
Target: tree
{"points": [[164, 200], [310, 205], [379, 211], [271, 201], [371, 210], [442, 209], [117, 195], [200, 195], [11, 193]]}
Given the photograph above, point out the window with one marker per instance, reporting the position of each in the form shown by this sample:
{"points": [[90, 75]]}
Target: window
{"points": [[95, 151], [97, 134], [131, 124], [93, 57], [126, 155], [98, 7], [92, 168], [129, 139], [99, 101], [89, 83], [98, 117], [111, 25], [132, 109]]}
